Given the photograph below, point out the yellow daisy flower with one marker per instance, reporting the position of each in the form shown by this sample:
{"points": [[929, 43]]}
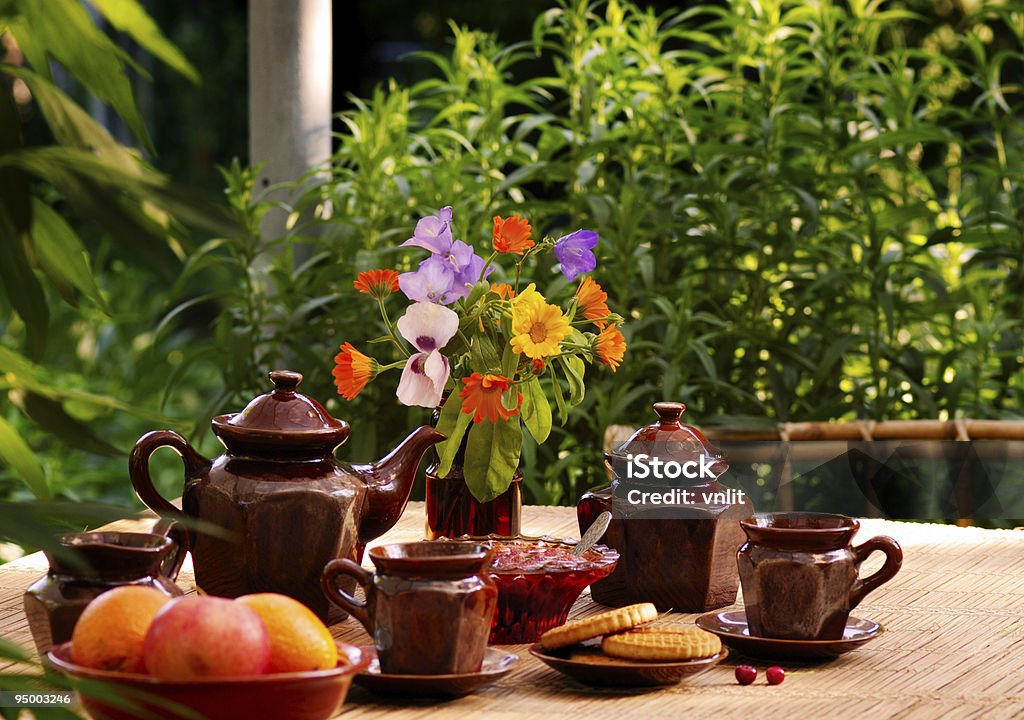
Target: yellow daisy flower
{"points": [[538, 327]]}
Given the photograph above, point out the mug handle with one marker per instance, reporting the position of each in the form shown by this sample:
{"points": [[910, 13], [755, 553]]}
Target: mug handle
{"points": [[357, 608], [178, 534], [138, 467], [893, 562]]}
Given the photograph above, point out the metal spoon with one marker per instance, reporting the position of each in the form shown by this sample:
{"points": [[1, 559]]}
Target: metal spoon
{"points": [[593, 534]]}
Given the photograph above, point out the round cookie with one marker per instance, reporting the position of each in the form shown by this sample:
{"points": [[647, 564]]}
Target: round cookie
{"points": [[576, 631], [662, 644]]}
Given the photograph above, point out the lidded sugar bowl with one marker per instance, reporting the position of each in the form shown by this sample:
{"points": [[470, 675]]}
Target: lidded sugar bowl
{"points": [[675, 525]]}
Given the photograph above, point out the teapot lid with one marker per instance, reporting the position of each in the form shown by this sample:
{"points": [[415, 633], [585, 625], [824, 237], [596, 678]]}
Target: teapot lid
{"points": [[670, 439], [283, 416]]}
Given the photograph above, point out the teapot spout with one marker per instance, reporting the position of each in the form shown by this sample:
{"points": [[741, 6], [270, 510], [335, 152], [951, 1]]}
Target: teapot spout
{"points": [[389, 482]]}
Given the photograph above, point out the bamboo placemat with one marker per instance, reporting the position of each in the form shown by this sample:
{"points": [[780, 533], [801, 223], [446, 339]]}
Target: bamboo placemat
{"points": [[953, 646]]}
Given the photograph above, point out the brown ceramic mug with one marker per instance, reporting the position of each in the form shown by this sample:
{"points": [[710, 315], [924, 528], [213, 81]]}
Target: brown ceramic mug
{"points": [[429, 607], [800, 573]]}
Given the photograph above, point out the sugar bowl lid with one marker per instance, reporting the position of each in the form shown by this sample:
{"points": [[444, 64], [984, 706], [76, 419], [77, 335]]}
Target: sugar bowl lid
{"points": [[669, 439], [282, 415]]}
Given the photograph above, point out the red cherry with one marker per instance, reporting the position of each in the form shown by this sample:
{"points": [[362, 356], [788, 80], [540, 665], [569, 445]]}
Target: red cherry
{"points": [[746, 674], [774, 675]]}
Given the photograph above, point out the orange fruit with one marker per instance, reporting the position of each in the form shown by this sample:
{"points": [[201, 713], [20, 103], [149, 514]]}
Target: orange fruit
{"points": [[299, 641], [110, 632]]}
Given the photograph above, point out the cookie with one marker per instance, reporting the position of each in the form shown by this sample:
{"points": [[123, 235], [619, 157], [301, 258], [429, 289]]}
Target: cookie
{"points": [[667, 644], [576, 631], [592, 656]]}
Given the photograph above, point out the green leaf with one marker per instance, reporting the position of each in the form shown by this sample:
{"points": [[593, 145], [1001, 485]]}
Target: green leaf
{"points": [[510, 398], [89, 182], [563, 411], [478, 291], [574, 369], [509, 361], [73, 126], [129, 17], [19, 373], [484, 356], [452, 423], [61, 254], [901, 214], [63, 30], [10, 651], [51, 416], [492, 456], [22, 287], [536, 410], [20, 458]]}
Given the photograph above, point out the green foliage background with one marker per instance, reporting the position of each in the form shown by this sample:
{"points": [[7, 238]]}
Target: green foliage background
{"points": [[808, 211]]}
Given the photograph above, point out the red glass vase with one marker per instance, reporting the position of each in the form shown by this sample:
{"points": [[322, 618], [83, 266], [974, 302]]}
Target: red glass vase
{"points": [[452, 510]]}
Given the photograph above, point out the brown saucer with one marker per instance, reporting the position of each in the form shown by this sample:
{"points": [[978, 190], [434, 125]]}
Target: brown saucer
{"points": [[731, 627], [497, 664], [587, 664]]}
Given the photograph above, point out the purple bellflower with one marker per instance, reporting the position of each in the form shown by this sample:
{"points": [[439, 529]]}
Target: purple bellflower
{"points": [[452, 268], [434, 232], [574, 253]]}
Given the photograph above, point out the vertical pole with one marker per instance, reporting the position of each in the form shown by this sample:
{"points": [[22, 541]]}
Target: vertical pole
{"points": [[289, 93]]}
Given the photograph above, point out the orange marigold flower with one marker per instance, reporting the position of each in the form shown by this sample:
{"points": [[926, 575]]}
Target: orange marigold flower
{"points": [[352, 370], [610, 346], [482, 397], [505, 291], [512, 235], [379, 283], [593, 301]]}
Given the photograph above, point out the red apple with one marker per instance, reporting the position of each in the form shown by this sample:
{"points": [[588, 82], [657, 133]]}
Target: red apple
{"points": [[204, 636]]}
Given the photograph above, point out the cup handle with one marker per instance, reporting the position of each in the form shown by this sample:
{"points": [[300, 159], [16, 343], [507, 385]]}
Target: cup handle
{"points": [[893, 561], [357, 608], [178, 533]]}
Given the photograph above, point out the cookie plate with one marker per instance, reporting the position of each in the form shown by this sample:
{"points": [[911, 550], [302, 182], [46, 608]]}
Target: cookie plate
{"points": [[587, 664]]}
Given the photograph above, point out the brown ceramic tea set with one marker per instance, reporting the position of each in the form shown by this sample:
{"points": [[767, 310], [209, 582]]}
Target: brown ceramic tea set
{"points": [[294, 520]]}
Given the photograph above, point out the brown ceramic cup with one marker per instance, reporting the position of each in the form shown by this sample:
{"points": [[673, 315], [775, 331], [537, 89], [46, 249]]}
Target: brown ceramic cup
{"points": [[800, 573], [429, 607]]}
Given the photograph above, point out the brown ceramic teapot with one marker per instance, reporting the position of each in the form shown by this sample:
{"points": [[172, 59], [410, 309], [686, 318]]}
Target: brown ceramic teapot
{"points": [[285, 505]]}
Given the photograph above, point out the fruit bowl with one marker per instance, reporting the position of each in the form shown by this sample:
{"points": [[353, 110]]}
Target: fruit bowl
{"points": [[314, 695], [538, 581]]}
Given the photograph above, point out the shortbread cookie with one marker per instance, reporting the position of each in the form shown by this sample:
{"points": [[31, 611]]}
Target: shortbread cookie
{"points": [[667, 644], [623, 618], [592, 656]]}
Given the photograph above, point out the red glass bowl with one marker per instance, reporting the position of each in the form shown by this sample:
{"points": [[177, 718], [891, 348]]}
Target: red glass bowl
{"points": [[538, 581], [314, 695]]}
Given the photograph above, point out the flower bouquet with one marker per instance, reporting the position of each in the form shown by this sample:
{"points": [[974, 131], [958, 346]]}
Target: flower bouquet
{"points": [[481, 352]]}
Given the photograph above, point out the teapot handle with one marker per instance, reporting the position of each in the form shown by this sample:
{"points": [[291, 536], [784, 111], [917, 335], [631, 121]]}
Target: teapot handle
{"points": [[138, 467]]}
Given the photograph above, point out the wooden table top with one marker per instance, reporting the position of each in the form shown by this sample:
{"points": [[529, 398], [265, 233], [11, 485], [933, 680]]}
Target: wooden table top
{"points": [[953, 646]]}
